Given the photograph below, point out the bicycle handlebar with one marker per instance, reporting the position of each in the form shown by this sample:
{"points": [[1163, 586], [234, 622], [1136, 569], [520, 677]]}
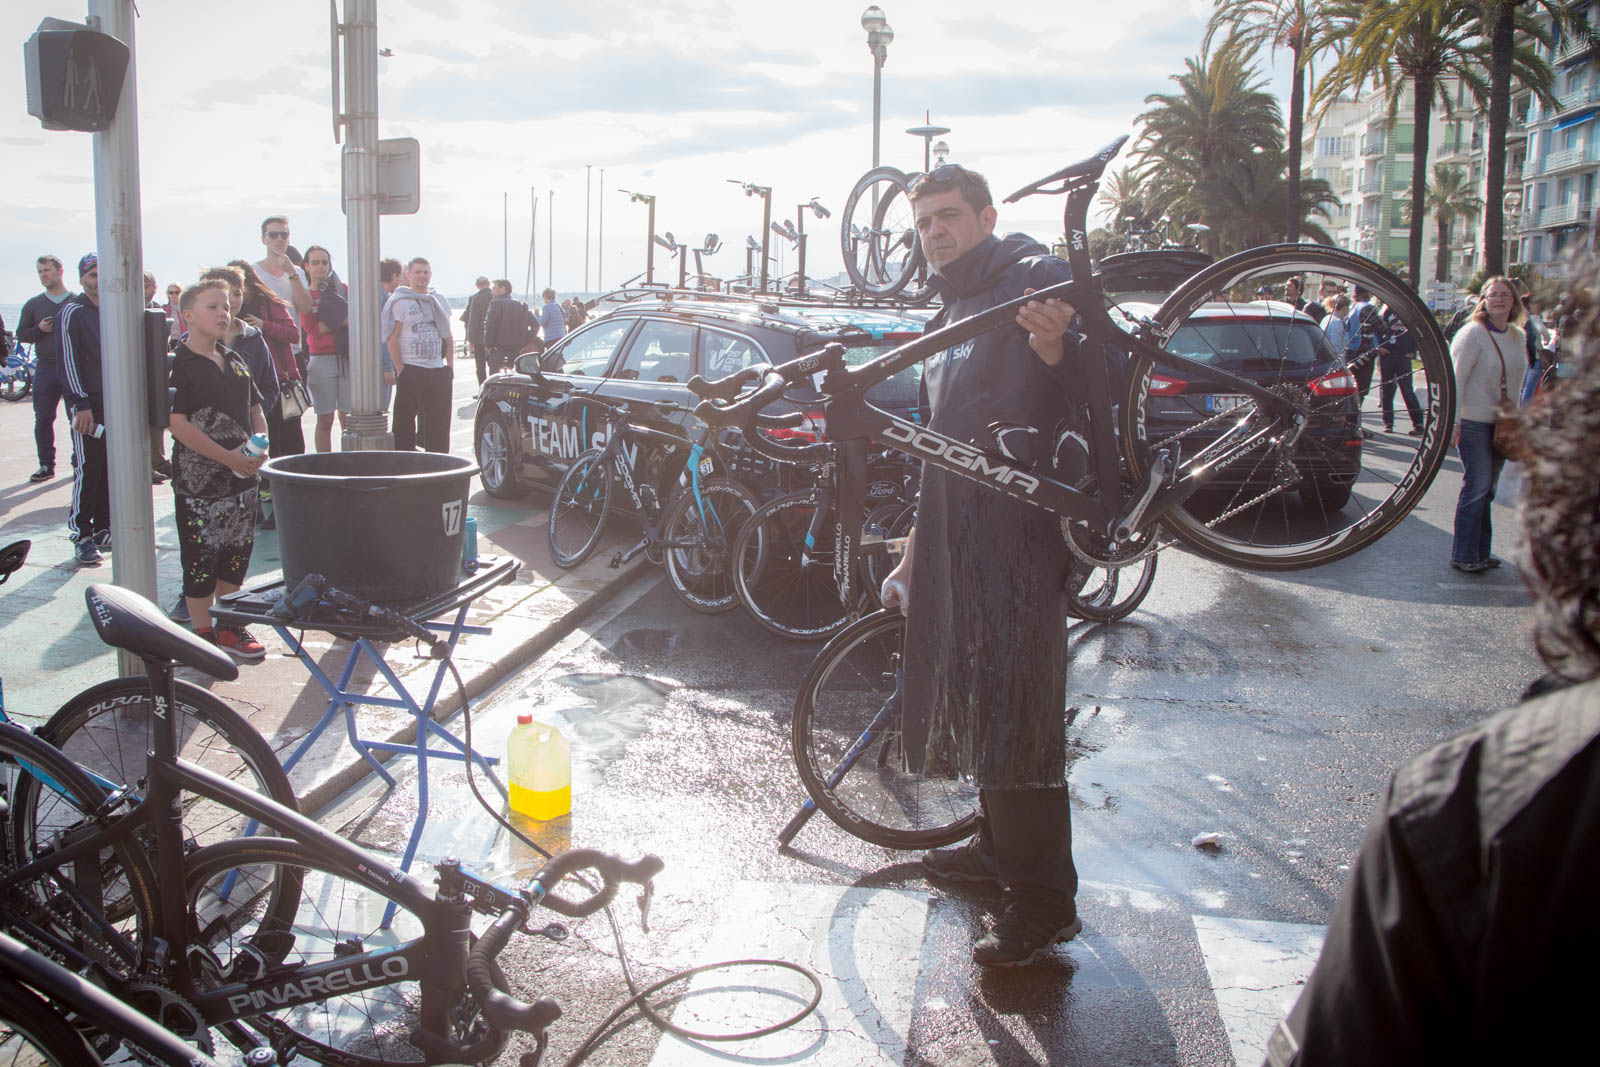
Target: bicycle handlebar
{"points": [[612, 870], [502, 1009], [718, 407], [506, 1011]]}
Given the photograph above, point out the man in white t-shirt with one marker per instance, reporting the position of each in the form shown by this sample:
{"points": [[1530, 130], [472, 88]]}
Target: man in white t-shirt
{"points": [[277, 271], [416, 329]]}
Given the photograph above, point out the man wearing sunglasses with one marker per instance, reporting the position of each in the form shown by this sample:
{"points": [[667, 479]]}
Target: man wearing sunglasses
{"points": [[278, 271], [985, 644]]}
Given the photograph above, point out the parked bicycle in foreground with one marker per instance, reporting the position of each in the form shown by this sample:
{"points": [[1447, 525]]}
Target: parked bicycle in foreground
{"points": [[278, 942], [1222, 421]]}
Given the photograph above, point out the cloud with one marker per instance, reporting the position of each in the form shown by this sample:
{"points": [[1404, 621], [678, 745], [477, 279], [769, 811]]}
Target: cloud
{"points": [[657, 80]]}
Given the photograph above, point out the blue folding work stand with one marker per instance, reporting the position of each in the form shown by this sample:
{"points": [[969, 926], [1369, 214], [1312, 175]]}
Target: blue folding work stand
{"points": [[254, 607]]}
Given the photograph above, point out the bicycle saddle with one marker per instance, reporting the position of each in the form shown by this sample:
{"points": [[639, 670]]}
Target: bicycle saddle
{"points": [[1080, 174], [128, 621], [11, 558]]}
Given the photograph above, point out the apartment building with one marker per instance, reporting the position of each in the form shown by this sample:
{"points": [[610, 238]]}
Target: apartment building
{"points": [[1559, 162], [1367, 160]]}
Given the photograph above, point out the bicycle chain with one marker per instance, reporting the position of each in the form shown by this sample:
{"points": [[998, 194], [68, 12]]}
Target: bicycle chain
{"points": [[1270, 492]]}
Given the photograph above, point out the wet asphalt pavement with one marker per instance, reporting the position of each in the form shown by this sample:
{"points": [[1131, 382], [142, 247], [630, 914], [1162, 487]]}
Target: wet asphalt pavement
{"points": [[1267, 708]]}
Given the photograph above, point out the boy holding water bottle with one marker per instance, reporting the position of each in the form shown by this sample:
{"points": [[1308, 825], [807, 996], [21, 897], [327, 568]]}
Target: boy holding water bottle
{"points": [[216, 408]]}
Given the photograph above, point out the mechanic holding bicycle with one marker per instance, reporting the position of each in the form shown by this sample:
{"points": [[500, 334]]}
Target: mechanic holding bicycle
{"points": [[986, 638]]}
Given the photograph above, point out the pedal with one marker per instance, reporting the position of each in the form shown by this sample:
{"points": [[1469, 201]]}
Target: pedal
{"points": [[616, 561]]}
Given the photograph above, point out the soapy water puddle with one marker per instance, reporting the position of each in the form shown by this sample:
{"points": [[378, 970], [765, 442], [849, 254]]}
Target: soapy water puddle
{"points": [[600, 713]]}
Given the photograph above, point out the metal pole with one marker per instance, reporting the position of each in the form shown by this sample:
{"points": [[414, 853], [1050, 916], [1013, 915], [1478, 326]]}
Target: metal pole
{"points": [[877, 98], [533, 254], [367, 428], [800, 231], [600, 239], [588, 186], [766, 234], [650, 244], [505, 234], [550, 243], [119, 246]]}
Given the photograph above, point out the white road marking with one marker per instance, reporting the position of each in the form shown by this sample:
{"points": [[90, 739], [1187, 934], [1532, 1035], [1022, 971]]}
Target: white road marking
{"points": [[1257, 969], [864, 945]]}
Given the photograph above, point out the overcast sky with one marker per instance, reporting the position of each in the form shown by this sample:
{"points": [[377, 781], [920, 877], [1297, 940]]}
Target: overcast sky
{"points": [[671, 97]]}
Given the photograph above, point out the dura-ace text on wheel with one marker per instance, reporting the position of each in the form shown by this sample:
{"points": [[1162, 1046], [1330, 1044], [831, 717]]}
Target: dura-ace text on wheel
{"points": [[1344, 471], [846, 740], [107, 730], [263, 907]]}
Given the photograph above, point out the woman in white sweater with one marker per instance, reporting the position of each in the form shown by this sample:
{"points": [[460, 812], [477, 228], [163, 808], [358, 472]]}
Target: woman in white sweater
{"points": [[1489, 357]]}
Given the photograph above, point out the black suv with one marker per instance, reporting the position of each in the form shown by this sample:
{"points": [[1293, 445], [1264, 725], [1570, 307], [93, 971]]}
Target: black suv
{"points": [[645, 347]]}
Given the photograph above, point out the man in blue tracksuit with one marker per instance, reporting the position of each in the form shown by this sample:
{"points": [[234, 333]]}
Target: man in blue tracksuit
{"points": [[89, 519], [38, 327]]}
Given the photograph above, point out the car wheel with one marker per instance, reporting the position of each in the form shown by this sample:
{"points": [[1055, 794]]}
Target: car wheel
{"points": [[494, 452]]}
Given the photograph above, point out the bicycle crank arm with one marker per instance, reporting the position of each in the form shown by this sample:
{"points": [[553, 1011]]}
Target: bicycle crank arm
{"points": [[627, 557], [1129, 522]]}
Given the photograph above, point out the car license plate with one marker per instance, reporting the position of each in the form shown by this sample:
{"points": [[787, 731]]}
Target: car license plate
{"points": [[1225, 402]]}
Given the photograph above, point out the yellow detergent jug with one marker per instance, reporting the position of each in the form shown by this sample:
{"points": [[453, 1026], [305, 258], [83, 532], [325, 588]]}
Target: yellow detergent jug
{"points": [[540, 761]]}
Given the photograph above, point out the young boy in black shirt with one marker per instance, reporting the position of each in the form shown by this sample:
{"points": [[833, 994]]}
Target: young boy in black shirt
{"points": [[215, 409]]}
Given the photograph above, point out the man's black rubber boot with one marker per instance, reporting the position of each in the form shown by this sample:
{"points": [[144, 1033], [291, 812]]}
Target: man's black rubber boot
{"points": [[1020, 938], [962, 865]]}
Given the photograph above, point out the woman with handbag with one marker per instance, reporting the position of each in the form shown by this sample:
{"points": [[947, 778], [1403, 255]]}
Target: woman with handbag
{"points": [[263, 310], [328, 346], [1489, 360]]}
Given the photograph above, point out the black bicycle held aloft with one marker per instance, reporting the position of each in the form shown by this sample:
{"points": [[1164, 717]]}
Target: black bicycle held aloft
{"points": [[1220, 427], [1218, 418]]}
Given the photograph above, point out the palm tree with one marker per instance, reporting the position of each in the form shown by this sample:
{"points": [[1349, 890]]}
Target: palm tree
{"points": [[1301, 27], [1220, 113], [1450, 197], [1398, 43], [1499, 22], [1123, 194], [1250, 197]]}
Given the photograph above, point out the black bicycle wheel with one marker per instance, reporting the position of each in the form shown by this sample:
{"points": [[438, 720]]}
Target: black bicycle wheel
{"points": [[794, 592], [17, 387], [1107, 594], [579, 509], [703, 528], [846, 740], [874, 247], [108, 731], [1310, 493], [75, 915], [265, 897], [899, 246], [34, 1034]]}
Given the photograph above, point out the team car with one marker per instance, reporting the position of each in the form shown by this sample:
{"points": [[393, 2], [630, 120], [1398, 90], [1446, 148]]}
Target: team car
{"points": [[531, 424]]}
